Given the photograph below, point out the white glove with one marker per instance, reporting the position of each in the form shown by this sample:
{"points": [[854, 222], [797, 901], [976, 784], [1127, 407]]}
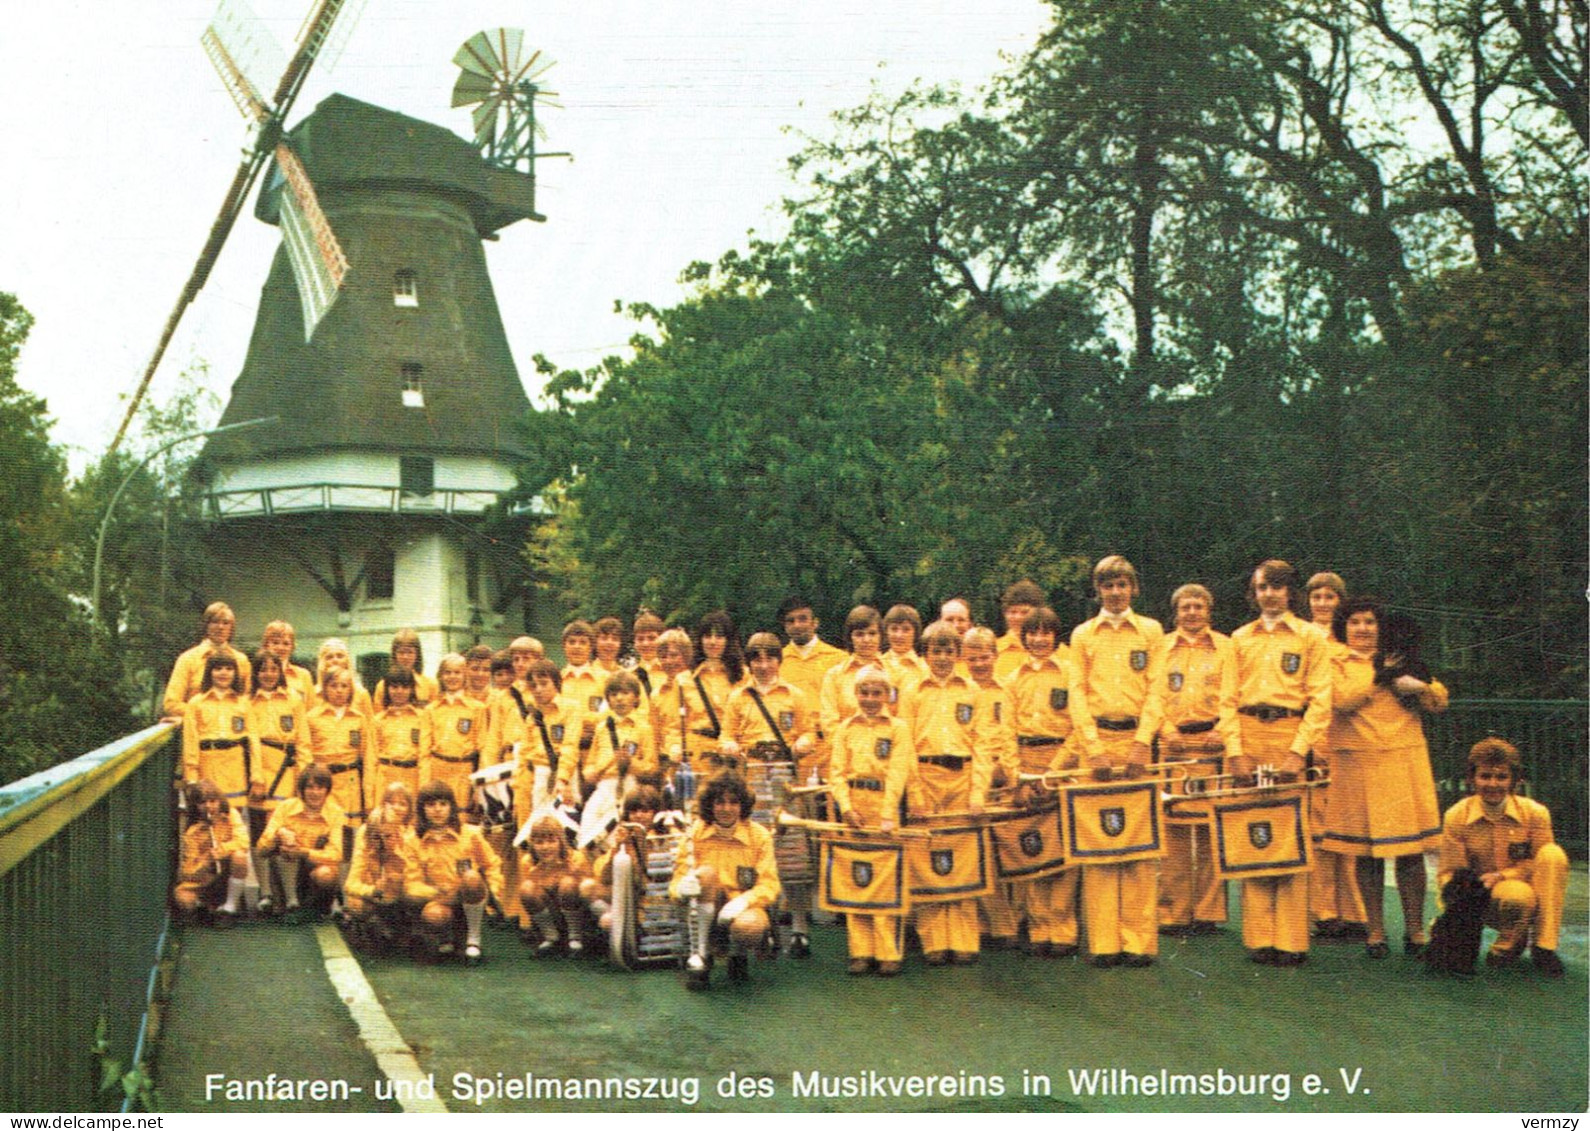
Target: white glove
{"points": [[690, 886], [733, 909]]}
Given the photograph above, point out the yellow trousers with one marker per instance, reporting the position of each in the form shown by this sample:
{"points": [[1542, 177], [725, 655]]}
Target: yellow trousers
{"points": [[948, 926], [1051, 906], [1119, 907], [875, 936], [1187, 886], [1519, 909]]}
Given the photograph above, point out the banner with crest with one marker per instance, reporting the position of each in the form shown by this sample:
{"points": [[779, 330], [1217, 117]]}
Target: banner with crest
{"points": [[1113, 823], [1263, 836], [862, 877], [1029, 845], [953, 864]]}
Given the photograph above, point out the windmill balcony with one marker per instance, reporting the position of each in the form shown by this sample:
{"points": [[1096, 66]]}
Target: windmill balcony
{"points": [[343, 497]]}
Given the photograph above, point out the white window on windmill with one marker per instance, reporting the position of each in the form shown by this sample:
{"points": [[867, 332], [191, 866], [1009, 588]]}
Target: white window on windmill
{"points": [[413, 389], [405, 289]]}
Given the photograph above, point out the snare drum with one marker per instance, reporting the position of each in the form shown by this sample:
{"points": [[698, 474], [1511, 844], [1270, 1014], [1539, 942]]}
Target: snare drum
{"points": [[493, 791]]}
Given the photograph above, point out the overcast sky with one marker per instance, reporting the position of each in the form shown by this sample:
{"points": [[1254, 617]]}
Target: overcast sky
{"points": [[121, 141]]}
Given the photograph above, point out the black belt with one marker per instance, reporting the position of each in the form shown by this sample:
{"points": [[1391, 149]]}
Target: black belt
{"points": [[1115, 724], [1039, 740], [475, 757], [948, 761], [874, 784], [406, 763], [344, 767], [290, 747], [1203, 726], [1265, 713], [221, 743], [705, 732]]}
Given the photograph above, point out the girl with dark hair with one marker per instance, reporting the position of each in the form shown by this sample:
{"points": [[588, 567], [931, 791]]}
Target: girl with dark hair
{"points": [[1382, 796], [214, 855], [450, 872], [217, 739]]}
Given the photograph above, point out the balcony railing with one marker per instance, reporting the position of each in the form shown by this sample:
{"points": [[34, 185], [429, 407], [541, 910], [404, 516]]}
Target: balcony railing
{"points": [[318, 497], [85, 866]]}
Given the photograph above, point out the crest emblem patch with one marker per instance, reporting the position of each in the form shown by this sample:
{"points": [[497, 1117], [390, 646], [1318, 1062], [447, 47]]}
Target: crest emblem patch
{"points": [[287, 724], [1139, 659], [355, 738], [1523, 850], [238, 724], [861, 872], [594, 703], [1291, 662], [630, 748], [786, 720], [414, 736], [1113, 820], [999, 710], [894, 695], [882, 749], [557, 732], [963, 713], [1031, 842], [1260, 834], [943, 861], [744, 878], [1058, 698], [1175, 680], [464, 725]]}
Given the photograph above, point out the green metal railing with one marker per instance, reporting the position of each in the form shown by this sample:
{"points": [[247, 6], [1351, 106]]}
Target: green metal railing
{"points": [[1552, 734], [85, 866]]}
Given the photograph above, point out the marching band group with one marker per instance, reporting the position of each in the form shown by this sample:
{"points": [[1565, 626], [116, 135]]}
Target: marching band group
{"points": [[1098, 792]]}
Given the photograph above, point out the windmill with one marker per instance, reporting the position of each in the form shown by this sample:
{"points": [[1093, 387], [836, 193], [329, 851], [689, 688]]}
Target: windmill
{"points": [[372, 504], [245, 56]]}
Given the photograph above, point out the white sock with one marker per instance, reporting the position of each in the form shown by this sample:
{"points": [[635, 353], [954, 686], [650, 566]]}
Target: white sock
{"points": [[287, 870], [234, 892], [473, 914]]}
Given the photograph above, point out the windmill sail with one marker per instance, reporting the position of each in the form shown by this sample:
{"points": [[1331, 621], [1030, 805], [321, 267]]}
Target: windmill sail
{"points": [[243, 56]]}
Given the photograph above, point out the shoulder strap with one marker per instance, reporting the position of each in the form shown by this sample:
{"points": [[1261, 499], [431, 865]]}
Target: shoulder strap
{"points": [[756, 697], [706, 700], [524, 708], [546, 739]]}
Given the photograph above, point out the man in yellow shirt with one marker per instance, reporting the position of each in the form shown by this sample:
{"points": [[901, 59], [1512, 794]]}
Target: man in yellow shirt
{"points": [[1192, 710], [1506, 841], [806, 660], [1109, 686], [1020, 599], [1284, 707]]}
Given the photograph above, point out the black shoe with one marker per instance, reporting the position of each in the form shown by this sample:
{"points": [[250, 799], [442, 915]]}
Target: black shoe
{"points": [[1328, 929], [1063, 950], [1136, 961], [1412, 949], [1205, 927], [1290, 958], [739, 968], [698, 973], [800, 946], [1547, 962], [1176, 930], [1041, 949], [1105, 961], [1377, 949], [1264, 956], [1355, 931]]}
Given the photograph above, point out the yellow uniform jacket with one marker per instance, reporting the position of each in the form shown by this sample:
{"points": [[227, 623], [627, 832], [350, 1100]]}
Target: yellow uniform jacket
{"points": [[380, 870], [743, 857], [1287, 666], [1109, 676], [442, 855], [505, 725], [837, 702], [1040, 693], [218, 744], [692, 730], [1192, 680], [319, 834], [906, 670], [951, 740], [803, 669], [456, 724], [279, 720], [402, 744], [339, 741], [1507, 844], [635, 745], [1009, 655], [870, 766], [206, 848], [1368, 717], [425, 689], [790, 709]]}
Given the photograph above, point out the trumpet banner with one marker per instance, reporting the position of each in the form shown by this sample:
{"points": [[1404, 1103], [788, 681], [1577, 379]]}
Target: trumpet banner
{"points": [[865, 877], [1259, 837], [952, 864], [1113, 824], [1030, 845]]}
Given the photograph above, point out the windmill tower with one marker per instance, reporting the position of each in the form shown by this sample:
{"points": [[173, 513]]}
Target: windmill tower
{"points": [[364, 508]]}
